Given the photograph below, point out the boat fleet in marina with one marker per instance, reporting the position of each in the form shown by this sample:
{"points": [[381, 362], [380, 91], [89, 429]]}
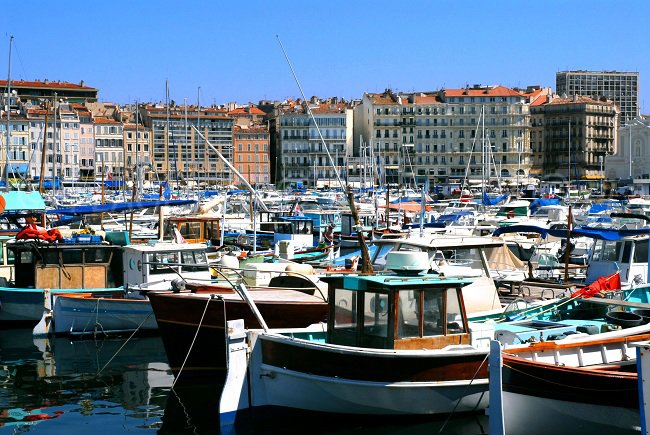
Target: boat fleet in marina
{"points": [[360, 303]]}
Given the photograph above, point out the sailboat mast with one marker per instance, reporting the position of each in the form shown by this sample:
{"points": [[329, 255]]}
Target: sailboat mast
{"points": [[483, 155], [55, 154], [43, 151], [11, 38], [569, 171]]}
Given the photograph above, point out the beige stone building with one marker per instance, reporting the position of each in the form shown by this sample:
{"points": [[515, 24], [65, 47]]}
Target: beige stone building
{"points": [[572, 135], [447, 135]]}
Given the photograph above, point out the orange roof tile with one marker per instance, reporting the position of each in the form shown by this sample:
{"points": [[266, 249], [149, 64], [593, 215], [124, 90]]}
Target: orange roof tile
{"points": [[246, 111], [102, 120], [489, 91], [427, 99], [538, 101]]}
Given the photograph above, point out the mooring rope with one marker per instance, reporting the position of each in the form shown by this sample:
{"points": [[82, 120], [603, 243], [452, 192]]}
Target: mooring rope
{"points": [[125, 343], [464, 393], [212, 296]]}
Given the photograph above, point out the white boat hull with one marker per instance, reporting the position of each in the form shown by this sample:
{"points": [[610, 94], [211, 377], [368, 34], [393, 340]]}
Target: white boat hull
{"points": [[286, 388], [531, 415]]}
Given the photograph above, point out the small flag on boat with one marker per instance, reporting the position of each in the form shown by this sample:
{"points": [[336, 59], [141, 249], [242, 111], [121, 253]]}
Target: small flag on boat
{"points": [[602, 284]]}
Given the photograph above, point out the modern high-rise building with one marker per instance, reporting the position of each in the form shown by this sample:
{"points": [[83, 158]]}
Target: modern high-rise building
{"points": [[620, 87]]}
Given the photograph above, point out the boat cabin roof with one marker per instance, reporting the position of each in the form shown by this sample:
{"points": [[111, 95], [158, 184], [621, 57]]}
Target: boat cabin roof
{"points": [[166, 247], [395, 283], [203, 218], [446, 242]]}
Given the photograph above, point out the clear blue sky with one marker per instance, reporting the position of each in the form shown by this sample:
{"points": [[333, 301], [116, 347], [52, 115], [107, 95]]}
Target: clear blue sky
{"points": [[128, 48]]}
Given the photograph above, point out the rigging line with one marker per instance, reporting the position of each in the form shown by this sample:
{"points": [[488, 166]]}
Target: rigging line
{"points": [[311, 114], [20, 60], [469, 160]]}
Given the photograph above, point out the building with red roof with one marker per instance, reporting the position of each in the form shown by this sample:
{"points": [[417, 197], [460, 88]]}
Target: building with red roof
{"points": [[34, 92]]}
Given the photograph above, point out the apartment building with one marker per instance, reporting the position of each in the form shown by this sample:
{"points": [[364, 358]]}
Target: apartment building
{"points": [[16, 155], [447, 135], [109, 147], [620, 87], [137, 149], [573, 135], [251, 154], [68, 137], [304, 159], [86, 143], [34, 92], [180, 153]]}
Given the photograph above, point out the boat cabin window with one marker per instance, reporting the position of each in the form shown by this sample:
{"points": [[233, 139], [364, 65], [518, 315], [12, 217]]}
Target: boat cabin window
{"points": [[627, 249], [441, 313], [191, 230], [432, 320], [194, 261], [345, 316], [8, 252], [375, 314], [605, 250], [161, 262], [97, 255], [276, 227], [455, 323], [641, 251], [470, 257]]}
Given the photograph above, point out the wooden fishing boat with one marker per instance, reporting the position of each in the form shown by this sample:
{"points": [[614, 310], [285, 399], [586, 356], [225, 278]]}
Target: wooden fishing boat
{"points": [[394, 345], [43, 270], [532, 397], [193, 324]]}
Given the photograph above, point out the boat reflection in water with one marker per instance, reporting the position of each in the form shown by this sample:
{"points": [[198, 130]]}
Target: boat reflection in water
{"points": [[71, 384], [124, 386]]}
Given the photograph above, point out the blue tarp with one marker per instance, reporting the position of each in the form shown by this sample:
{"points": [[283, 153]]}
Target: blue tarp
{"points": [[17, 168], [540, 202], [594, 233], [453, 217], [489, 201], [603, 206], [113, 184], [117, 207], [47, 182], [598, 208]]}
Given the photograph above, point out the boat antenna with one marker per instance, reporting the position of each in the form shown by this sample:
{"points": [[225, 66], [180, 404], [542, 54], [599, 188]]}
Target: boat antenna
{"points": [[366, 265], [320, 135]]}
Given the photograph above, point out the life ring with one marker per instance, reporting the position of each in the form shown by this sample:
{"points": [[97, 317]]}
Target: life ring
{"points": [[510, 214]]}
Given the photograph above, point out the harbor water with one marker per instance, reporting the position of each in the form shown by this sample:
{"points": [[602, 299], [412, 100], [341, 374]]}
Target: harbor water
{"points": [[123, 386]]}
